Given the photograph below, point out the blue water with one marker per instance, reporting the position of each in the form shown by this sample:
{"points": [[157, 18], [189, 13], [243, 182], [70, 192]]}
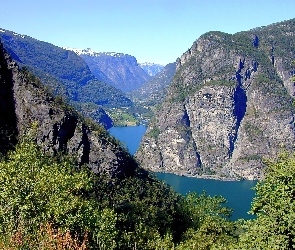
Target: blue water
{"points": [[238, 193], [130, 136]]}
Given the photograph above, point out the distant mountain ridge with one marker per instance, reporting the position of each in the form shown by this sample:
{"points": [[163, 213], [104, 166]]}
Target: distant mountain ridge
{"points": [[91, 52], [153, 91], [117, 69], [65, 73], [151, 68]]}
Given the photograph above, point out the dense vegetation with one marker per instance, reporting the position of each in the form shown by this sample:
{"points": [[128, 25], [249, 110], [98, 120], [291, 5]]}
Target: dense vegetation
{"points": [[274, 206], [46, 203], [41, 196]]}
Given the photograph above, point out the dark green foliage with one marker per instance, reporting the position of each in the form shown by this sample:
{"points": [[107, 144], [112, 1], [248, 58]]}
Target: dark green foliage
{"points": [[54, 85], [154, 132], [51, 59], [140, 201], [135, 212], [103, 94], [38, 189], [138, 211], [206, 223], [274, 205], [196, 207], [63, 71]]}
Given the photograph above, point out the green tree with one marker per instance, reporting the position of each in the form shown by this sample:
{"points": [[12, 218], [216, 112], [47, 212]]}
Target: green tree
{"points": [[274, 205], [42, 196], [36, 190], [207, 225]]}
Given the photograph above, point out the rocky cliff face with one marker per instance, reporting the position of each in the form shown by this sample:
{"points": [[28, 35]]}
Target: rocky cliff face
{"points": [[228, 107], [24, 102], [8, 119]]}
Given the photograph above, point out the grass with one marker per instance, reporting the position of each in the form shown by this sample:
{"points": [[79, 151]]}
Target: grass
{"points": [[122, 118]]}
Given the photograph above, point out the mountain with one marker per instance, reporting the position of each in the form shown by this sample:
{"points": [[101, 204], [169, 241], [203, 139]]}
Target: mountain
{"points": [[151, 68], [152, 92], [119, 70], [25, 103], [229, 106], [64, 72]]}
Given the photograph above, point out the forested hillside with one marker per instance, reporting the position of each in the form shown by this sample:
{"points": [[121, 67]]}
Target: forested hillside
{"points": [[65, 74]]}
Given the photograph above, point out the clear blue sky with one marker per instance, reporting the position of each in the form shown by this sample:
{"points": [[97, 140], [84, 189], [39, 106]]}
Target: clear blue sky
{"points": [[156, 31]]}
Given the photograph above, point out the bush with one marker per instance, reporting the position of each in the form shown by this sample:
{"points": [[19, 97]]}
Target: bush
{"points": [[37, 189], [274, 205]]}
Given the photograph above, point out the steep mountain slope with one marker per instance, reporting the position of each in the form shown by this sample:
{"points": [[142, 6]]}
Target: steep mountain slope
{"points": [[62, 71], [120, 70], [154, 90], [228, 107], [151, 68], [25, 102]]}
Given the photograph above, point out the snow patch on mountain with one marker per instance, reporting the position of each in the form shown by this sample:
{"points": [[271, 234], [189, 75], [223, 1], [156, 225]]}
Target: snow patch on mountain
{"points": [[15, 34], [91, 52], [151, 68]]}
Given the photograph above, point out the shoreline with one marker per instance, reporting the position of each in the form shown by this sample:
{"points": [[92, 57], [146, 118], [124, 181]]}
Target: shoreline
{"points": [[204, 177]]}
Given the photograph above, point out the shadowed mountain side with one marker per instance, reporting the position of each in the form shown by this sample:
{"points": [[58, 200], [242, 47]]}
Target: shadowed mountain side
{"points": [[60, 129], [62, 71], [120, 70]]}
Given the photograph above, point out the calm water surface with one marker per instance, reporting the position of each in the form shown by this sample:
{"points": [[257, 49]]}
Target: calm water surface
{"points": [[130, 136], [238, 193]]}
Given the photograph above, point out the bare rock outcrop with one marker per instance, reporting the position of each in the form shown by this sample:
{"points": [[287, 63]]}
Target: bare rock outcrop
{"points": [[229, 107]]}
